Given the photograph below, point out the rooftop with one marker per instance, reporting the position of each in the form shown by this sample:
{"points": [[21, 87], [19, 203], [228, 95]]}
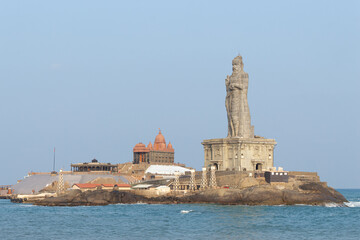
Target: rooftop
{"points": [[166, 169], [94, 185]]}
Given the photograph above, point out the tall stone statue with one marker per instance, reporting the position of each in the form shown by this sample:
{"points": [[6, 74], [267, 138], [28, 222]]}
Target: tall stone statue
{"points": [[240, 150], [237, 107]]}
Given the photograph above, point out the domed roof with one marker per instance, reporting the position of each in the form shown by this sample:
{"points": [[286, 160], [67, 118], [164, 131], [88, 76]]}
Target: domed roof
{"points": [[149, 146], [170, 148], [160, 138], [160, 143], [140, 147]]}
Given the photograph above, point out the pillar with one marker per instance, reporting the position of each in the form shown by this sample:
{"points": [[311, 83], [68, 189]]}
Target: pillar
{"points": [[60, 185], [204, 184], [192, 184], [213, 177], [177, 181]]}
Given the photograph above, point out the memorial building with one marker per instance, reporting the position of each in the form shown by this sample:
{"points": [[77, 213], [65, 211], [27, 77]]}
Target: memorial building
{"points": [[93, 166], [241, 150], [158, 153]]}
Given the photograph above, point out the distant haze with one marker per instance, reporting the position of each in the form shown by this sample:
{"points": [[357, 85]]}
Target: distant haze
{"points": [[93, 78]]}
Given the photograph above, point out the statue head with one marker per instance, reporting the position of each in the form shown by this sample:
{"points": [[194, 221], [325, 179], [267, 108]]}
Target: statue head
{"points": [[237, 63]]}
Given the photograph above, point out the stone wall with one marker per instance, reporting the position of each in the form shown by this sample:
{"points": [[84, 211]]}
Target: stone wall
{"points": [[239, 154], [161, 157], [231, 180], [304, 176]]}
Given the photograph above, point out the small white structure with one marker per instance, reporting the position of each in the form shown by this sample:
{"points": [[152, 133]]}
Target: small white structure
{"points": [[142, 186], [166, 170]]}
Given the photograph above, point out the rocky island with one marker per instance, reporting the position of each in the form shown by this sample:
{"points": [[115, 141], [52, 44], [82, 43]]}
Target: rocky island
{"points": [[238, 169], [250, 191], [310, 194]]}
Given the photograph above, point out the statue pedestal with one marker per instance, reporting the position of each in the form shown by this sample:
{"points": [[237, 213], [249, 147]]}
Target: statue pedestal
{"points": [[240, 154]]}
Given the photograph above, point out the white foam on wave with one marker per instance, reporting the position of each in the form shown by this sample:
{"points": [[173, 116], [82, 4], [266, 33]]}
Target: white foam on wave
{"points": [[185, 211], [27, 205], [345, 204], [333, 205], [352, 204]]}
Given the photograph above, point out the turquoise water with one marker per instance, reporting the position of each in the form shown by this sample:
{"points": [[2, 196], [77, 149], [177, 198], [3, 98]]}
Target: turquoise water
{"points": [[195, 221]]}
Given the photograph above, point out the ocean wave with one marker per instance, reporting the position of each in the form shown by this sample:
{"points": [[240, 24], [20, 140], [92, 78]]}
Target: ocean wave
{"points": [[27, 205], [137, 203], [331, 205], [185, 211], [352, 204], [345, 204]]}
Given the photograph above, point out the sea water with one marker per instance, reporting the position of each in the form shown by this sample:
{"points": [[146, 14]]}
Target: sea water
{"points": [[183, 221]]}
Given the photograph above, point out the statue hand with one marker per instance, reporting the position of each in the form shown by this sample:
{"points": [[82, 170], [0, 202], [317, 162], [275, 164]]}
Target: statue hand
{"points": [[234, 85]]}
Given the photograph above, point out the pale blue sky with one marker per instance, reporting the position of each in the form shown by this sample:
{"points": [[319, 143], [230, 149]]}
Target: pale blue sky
{"points": [[93, 78]]}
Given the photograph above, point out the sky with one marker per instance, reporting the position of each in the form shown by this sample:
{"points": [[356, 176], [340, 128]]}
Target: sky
{"points": [[93, 78]]}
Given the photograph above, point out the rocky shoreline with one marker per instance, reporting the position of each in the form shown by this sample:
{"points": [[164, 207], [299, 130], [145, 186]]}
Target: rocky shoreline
{"points": [[311, 193]]}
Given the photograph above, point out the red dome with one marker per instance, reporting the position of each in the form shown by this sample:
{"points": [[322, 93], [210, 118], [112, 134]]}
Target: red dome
{"points": [[160, 143], [170, 147], [140, 147], [160, 138]]}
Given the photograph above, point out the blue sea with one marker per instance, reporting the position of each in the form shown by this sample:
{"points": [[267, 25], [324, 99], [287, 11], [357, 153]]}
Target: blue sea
{"points": [[185, 221]]}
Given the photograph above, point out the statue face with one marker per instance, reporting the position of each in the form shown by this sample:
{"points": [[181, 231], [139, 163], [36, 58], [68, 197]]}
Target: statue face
{"points": [[236, 68]]}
